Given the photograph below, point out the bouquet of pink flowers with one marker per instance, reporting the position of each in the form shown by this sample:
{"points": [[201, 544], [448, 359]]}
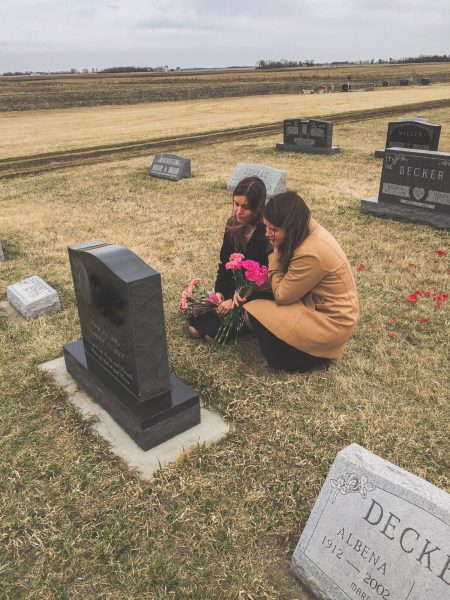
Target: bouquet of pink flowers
{"points": [[195, 300], [246, 273]]}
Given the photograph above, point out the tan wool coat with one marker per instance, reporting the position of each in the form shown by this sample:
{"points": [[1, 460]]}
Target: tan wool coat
{"points": [[316, 305]]}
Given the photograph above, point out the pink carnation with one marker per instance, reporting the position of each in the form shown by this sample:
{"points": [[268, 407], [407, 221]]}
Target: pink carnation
{"points": [[236, 257], [184, 303], [211, 299]]}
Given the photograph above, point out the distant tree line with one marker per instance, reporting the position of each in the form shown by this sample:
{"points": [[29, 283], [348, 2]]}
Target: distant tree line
{"points": [[423, 58], [282, 63]]}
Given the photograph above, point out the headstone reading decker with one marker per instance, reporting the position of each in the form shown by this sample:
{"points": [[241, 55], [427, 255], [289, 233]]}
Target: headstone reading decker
{"points": [[274, 179], [121, 359], [375, 532], [308, 135], [411, 133], [170, 166], [415, 187]]}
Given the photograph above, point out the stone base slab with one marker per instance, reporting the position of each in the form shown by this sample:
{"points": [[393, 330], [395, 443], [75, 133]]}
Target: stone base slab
{"points": [[211, 429], [400, 213], [307, 149], [147, 430], [379, 153]]}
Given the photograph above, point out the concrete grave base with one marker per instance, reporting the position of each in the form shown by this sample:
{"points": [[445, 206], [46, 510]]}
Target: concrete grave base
{"points": [[397, 212], [307, 149], [379, 153], [211, 429]]}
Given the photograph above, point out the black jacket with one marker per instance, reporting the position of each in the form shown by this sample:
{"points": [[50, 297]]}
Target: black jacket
{"points": [[257, 249]]}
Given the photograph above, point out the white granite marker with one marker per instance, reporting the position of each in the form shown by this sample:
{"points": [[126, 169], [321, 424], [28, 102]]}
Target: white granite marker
{"points": [[376, 532], [274, 179], [33, 297]]}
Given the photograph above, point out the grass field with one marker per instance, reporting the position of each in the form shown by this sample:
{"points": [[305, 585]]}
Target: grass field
{"points": [[223, 523], [63, 91], [31, 132]]}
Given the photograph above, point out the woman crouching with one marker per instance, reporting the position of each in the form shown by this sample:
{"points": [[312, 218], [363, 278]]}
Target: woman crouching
{"points": [[315, 306]]}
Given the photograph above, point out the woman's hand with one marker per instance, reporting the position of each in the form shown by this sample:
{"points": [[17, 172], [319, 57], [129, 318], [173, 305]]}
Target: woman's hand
{"points": [[237, 299], [224, 307], [220, 297]]}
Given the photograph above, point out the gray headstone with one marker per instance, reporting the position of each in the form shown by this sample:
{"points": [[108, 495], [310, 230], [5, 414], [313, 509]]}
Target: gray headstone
{"points": [[415, 187], [376, 532], [121, 359], [2, 256], [415, 133], [308, 135], [274, 179], [32, 297], [170, 166]]}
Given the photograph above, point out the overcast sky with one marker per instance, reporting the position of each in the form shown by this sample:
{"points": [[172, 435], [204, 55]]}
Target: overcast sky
{"points": [[41, 35]]}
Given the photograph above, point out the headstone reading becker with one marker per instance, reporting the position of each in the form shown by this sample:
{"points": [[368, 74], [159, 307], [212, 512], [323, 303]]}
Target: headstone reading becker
{"points": [[415, 187], [308, 135], [375, 532], [411, 133], [274, 179], [33, 297], [121, 360], [170, 166]]}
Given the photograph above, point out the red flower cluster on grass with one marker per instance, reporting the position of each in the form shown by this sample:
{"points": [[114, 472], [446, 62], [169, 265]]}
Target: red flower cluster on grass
{"points": [[361, 267]]}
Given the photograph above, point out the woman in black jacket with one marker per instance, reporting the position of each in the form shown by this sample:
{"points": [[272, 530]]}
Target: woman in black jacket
{"points": [[244, 233]]}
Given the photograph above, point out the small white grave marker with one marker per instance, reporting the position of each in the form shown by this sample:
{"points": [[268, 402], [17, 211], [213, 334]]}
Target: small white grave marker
{"points": [[376, 532], [274, 179], [33, 297]]}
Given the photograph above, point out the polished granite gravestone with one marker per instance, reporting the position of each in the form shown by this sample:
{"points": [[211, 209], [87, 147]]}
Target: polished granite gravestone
{"points": [[308, 135], [414, 187], [170, 166], [274, 179], [33, 297], [411, 133], [121, 360], [375, 532]]}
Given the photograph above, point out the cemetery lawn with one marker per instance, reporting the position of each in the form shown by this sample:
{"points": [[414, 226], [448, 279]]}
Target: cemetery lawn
{"points": [[224, 521], [39, 131]]}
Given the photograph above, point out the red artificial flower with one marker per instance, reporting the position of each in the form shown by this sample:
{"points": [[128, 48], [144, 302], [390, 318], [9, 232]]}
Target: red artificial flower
{"points": [[390, 261], [441, 253], [411, 265], [418, 293], [393, 320], [424, 319], [361, 267], [443, 297], [427, 293], [391, 335], [433, 270], [412, 298]]}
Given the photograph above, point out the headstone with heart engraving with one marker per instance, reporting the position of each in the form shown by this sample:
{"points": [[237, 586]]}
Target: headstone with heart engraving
{"points": [[415, 187]]}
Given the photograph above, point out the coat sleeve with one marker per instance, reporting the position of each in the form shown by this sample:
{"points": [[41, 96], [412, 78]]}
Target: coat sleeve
{"points": [[303, 274], [224, 280]]}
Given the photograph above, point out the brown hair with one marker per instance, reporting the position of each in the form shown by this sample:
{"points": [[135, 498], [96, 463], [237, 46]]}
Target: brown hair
{"points": [[254, 190], [289, 212]]}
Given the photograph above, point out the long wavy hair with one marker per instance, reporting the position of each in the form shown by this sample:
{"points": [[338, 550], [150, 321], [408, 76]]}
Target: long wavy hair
{"points": [[289, 212], [254, 190]]}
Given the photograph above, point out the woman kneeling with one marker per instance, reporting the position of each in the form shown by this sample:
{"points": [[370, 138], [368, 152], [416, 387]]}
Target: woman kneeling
{"points": [[315, 306]]}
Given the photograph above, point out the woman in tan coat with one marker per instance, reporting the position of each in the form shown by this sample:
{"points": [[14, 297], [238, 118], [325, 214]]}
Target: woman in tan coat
{"points": [[316, 306]]}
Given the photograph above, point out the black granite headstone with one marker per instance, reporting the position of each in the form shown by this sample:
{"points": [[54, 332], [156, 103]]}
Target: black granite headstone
{"points": [[308, 135], [411, 133], [404, 82], [170, 166], [425, 81], [385, 83], [415, 187], [346, 87], [121, 359]]}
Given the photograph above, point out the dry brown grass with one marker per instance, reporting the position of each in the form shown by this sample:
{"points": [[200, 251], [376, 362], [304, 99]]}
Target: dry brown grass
{"points": [[64, 91], [52, 130], [223, 523]]}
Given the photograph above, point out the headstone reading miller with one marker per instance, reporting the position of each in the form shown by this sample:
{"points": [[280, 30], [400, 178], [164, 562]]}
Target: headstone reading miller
{"points": [[121, 360], [415, 187], [33, 297], [308, 135], [274, 179], [411, 133], [376, 532], [170, 166]]}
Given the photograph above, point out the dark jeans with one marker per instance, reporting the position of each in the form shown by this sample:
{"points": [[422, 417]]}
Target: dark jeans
{"points": [[282, 356]]}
